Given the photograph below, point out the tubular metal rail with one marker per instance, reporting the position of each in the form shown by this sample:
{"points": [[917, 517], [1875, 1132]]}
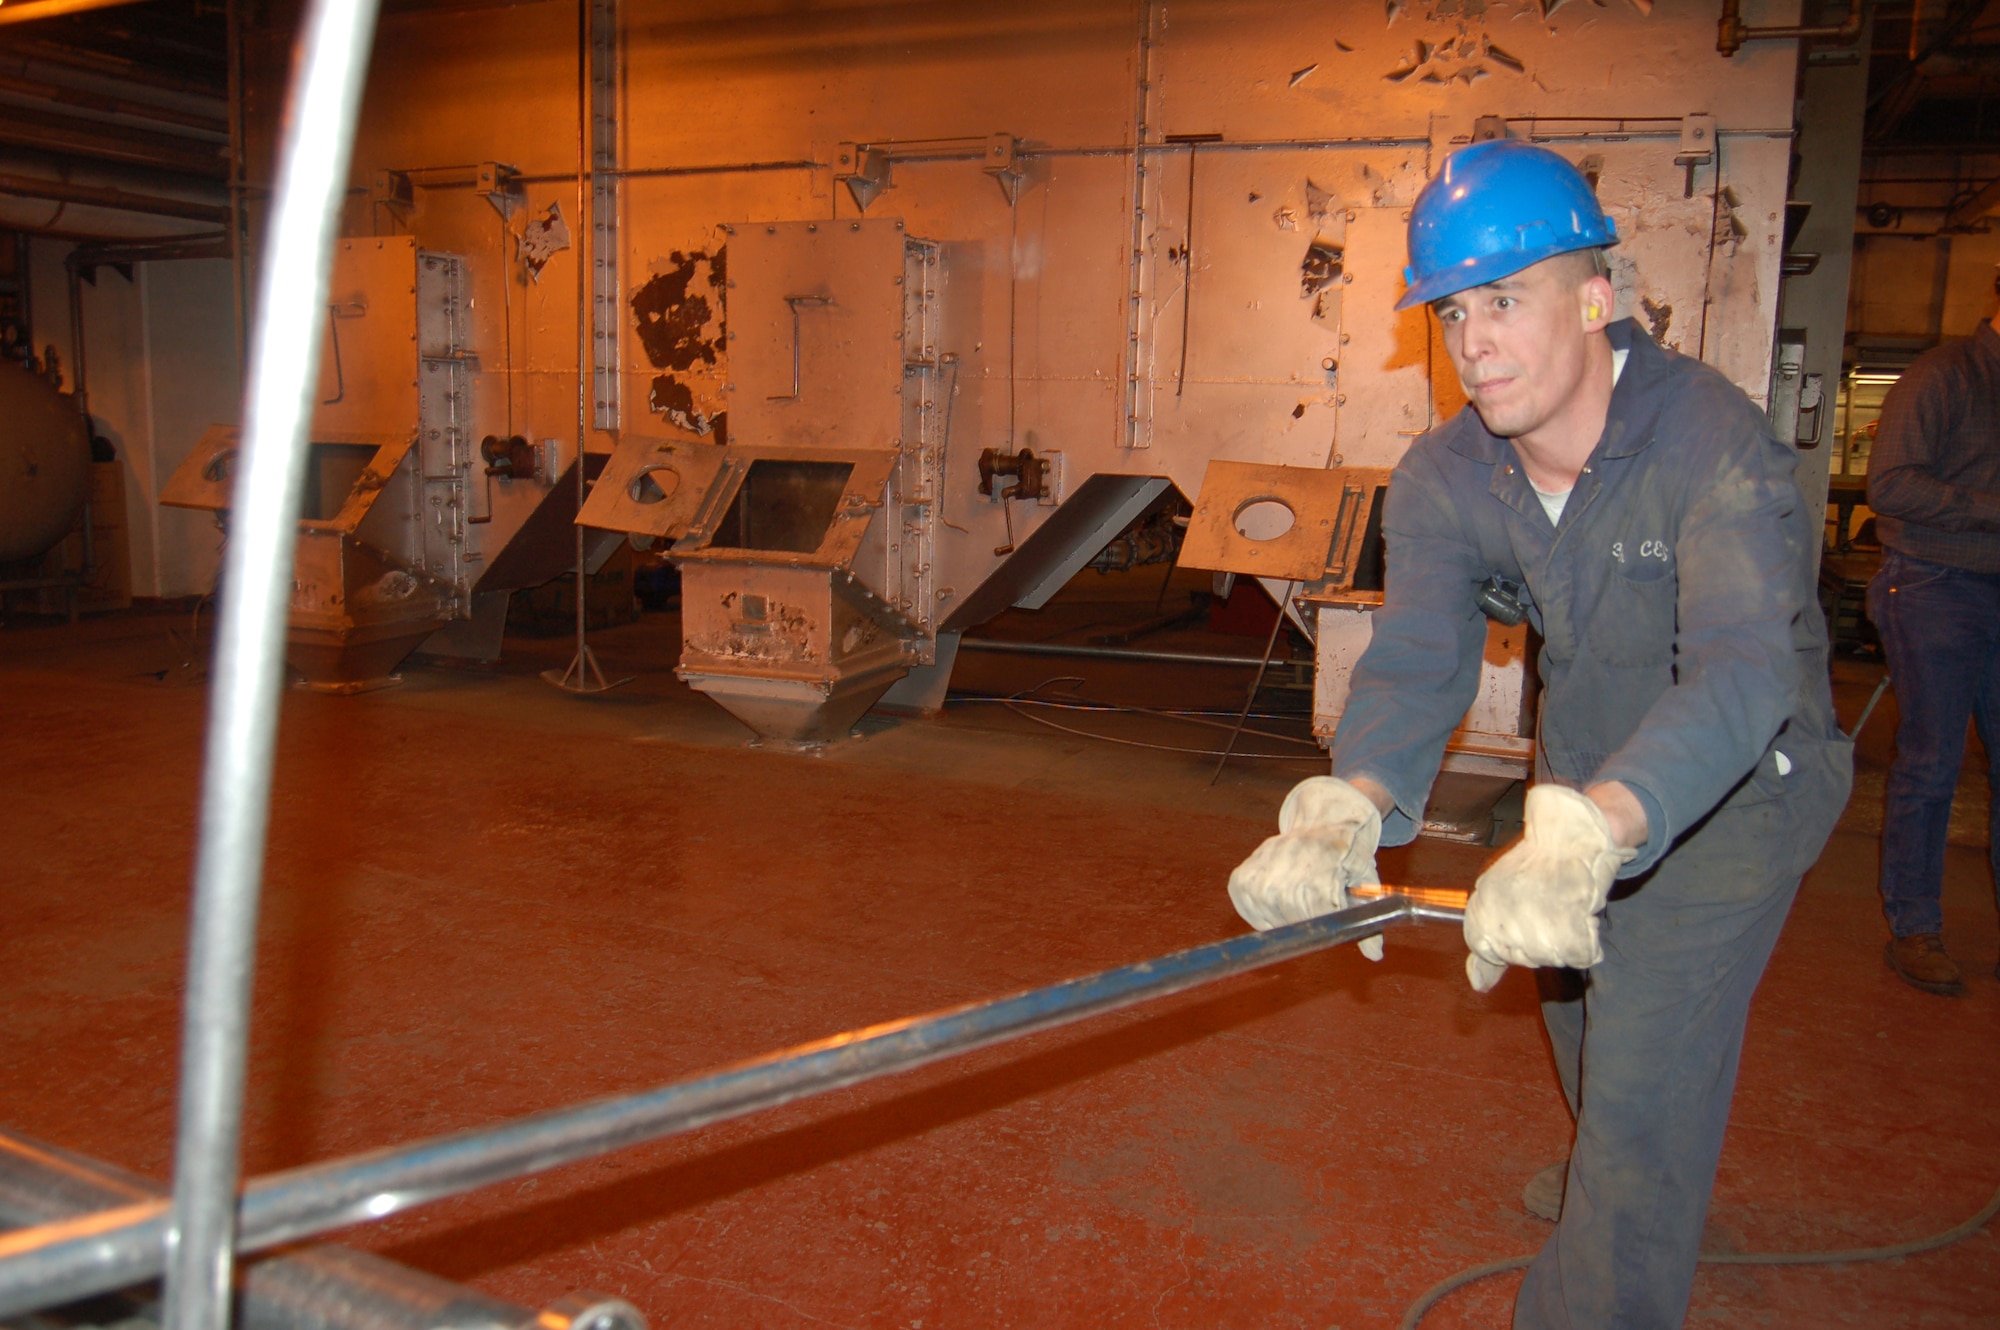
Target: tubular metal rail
{"points": [[311, 1288], [115, 1248]]}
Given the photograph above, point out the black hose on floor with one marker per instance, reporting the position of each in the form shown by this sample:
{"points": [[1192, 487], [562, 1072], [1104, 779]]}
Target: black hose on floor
{"points": [[1440, 1291]]}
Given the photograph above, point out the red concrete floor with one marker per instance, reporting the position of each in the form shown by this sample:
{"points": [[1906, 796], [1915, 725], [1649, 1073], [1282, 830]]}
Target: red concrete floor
{"points": [[487, 898]]}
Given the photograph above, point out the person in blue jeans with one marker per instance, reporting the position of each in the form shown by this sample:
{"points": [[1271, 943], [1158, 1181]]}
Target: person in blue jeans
{"points": [[1934, 483], [1688, 769]]}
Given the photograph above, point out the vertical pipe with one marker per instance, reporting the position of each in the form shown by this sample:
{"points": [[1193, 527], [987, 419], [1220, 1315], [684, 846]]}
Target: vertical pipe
{"points": [[332, 63], [586, 247], [78, 385]]}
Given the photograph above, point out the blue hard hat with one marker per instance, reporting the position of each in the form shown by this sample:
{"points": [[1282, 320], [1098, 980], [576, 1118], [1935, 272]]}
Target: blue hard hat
{"points": [[1496, 208]]}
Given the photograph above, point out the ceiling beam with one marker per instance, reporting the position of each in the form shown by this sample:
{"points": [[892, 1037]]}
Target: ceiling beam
{"points": [[1974, 208]]}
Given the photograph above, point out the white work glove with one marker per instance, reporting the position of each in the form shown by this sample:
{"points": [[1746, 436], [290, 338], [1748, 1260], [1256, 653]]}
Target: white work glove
{"points": [[1327, 834], [1537, 904]]}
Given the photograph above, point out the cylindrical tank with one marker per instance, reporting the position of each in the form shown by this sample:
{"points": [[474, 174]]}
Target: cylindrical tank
{"points": [[44, 463]]}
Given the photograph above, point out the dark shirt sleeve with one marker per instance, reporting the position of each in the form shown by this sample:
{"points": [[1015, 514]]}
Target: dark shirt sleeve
{"points": [[1420, 672], [1741, 553], [1920, 419]]}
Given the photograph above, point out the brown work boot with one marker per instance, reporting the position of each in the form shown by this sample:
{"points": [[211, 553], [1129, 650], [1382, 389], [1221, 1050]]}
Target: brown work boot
{"points": [[1543, 1196], [1919, 960]]}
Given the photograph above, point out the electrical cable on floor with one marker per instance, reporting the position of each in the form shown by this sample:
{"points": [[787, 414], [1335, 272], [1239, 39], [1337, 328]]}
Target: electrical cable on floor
{"points": [[1915, 1247], [1017, 701], [1868, 710]]}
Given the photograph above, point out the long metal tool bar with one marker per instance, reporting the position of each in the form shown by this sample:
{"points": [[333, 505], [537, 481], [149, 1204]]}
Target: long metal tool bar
{"points": [[116, 1248], [332, 63]]}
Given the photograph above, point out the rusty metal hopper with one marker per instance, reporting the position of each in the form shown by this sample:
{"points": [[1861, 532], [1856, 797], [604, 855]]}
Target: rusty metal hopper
{"points": [[776, 623], [356, 609]]}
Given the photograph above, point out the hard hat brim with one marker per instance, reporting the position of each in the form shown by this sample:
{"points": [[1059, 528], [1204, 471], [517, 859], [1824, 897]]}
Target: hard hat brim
{"points": [[1483, 268]]}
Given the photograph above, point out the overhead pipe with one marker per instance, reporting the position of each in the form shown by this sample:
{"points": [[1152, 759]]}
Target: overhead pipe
{"points": [[110, 66], [103, 141], [117, 1248], [84, 226], [1731, 32], [84, 100], [99, 254], [104, 196]]}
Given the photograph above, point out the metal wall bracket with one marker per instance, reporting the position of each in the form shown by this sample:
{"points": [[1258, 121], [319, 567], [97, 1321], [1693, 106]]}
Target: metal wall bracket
{"points": [[1003, 164], [499, 184], [1697, 147], [864, 170]]}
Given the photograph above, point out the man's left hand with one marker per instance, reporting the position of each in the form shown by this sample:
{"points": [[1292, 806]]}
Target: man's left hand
{"points": [[1537, 904]]}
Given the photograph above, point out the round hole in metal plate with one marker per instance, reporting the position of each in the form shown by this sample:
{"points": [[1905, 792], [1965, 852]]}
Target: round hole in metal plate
{"points": [[221, 468], [654, 485], [1264, 519]]}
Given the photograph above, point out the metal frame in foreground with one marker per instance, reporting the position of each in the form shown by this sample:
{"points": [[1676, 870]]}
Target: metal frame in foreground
{"points": [[193, 1239]]}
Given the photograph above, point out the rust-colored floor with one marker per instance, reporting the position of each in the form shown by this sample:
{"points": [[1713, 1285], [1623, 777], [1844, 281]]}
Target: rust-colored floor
{"points": [[487, 898]]}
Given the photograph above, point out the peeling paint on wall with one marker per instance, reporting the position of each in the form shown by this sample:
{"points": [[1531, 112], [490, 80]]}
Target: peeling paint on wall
{"points": [[682, 326], [1729, 228], [1318, 202], [1320, 268], [1461, 58], [1659, 317], [541, 239]]}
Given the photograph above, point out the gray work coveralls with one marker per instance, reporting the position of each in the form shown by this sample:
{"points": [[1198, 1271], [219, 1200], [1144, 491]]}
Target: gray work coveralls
{"points": [[1684, 654]]}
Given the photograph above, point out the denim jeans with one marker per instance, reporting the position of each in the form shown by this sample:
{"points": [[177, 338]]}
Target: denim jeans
{"points": [[1941, 629]]}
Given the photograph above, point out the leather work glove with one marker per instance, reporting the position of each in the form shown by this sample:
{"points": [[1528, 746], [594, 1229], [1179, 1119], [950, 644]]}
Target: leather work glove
{"points": [[1327, 834], [1537, 904]]}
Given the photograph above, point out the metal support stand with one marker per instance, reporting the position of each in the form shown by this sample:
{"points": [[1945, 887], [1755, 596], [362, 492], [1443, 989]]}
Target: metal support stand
{"points": [[596, 23], [1250, 699]]}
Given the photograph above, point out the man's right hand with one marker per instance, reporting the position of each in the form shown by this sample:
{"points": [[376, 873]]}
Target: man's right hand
{"points": [[1327, 834]]}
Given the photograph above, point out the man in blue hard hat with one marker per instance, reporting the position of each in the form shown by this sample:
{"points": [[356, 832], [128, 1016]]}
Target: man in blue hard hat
{"points": [[1688, 768]]}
